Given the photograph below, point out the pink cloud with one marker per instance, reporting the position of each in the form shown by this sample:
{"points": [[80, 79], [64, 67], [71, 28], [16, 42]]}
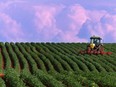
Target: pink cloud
{"points": [[95, 15], [11, 30], [70, 37], [45, 15], [101, 22], [45, 21], [79, 16], [6, 4]]}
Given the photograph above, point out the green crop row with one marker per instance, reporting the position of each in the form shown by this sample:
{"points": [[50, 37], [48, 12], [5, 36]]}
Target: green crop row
{"points": [[33, 62]]}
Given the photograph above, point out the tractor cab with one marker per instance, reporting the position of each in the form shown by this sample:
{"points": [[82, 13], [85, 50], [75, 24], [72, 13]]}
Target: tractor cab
{"points": [[95, 40]]}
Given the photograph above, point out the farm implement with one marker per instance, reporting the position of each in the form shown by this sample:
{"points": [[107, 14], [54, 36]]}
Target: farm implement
{"points": [[95, 47], [1, 75]]}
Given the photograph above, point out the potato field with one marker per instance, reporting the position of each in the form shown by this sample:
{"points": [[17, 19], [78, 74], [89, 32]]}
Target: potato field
{"points": [[55, 65]]}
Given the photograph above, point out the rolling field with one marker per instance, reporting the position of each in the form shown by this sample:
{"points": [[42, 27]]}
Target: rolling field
{"points": [[55, 65]]}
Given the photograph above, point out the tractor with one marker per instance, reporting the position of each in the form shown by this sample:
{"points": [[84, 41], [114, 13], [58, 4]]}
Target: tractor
{"points": [[95, 47]]}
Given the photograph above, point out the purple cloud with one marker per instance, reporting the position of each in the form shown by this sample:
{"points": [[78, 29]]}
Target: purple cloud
{"points": [[10, 29], [93, 19], [54, 22], [45, 21]]}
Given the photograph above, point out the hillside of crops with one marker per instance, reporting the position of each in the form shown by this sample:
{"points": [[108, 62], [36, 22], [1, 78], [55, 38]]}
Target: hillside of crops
{"points": [[55, 65]]}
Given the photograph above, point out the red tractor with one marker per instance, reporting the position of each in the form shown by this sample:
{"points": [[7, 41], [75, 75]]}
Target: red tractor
{"points": [[95, 47]]}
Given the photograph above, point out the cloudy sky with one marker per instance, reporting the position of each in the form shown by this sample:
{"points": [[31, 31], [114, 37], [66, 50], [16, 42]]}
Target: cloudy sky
{"points": [[57, 20]]}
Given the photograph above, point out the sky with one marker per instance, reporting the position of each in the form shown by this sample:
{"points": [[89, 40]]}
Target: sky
{"points": [[57, 20]]}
